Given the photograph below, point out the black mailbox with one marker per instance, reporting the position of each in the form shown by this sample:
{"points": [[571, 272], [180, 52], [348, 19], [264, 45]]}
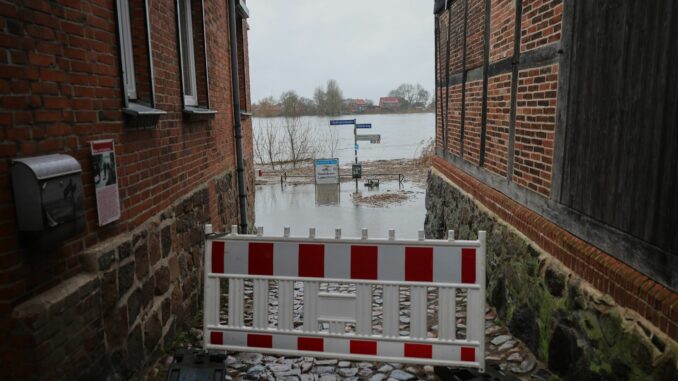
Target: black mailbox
{"points": [[48, 196]]}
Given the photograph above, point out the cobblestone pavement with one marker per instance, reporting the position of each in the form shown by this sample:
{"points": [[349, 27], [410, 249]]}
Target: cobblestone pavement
{"points": [[511, 355]]}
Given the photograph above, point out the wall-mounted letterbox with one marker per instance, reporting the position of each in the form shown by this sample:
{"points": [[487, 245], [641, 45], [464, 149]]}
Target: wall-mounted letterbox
{"points": [[48, 196]]}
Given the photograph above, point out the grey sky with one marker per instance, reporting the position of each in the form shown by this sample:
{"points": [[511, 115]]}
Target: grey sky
{"points": [[368, 46]]}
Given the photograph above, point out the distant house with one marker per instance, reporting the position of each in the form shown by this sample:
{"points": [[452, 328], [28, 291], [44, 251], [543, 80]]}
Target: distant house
{"points": [[356, 105], [389, 103]]}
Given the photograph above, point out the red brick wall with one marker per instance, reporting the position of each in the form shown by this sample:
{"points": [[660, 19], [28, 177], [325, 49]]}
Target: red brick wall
{"points": [[61, 88], [456, 12], [541, 23], [473, 121], [502, 28], [535, 128], [498, 124], [475, 34], [454, 120]]}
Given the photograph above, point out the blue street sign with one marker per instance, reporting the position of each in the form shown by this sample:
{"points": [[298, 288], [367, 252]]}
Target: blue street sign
{"points": [[356, 146], [339, 122], [364, 125]]}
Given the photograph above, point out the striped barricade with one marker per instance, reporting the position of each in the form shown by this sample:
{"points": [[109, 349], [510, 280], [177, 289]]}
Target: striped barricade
{"points": [[446, 267]]}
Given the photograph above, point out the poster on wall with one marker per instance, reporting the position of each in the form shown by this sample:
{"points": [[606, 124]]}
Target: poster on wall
{"points": [[105, 181]]}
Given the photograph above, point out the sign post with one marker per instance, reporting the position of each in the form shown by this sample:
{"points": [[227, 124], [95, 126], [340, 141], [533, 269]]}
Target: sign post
{"points": [[375, 139]]}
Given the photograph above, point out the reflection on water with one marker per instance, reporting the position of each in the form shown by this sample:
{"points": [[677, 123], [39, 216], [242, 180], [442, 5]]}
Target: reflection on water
{"points": [[302, 206], [327, 194]]}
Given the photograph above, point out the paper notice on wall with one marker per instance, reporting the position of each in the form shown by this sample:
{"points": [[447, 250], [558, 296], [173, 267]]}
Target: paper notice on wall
{"points": [[105, 181]]}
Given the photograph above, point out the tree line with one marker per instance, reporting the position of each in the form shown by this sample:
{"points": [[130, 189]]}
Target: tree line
{"points": [[329, 100]]}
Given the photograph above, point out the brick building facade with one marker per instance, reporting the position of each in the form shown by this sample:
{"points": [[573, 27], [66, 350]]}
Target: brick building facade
{"points": [[111, 297], [552, 127]]}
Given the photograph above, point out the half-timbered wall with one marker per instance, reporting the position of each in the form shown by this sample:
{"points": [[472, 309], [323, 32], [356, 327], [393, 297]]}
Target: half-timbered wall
{"points": [[570, 109]]}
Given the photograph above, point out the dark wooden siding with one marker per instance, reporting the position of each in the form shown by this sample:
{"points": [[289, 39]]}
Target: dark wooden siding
{"points": [[621, 144]]}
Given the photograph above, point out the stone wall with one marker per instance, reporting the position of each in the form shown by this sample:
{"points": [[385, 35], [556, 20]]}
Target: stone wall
{"points": [[581, 333], [137, 291]]}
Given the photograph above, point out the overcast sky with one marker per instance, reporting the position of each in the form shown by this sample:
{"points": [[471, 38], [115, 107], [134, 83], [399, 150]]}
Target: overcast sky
{"points": [[368, 46]]}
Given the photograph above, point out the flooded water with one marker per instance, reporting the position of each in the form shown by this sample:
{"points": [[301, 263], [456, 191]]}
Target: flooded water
{"points": [[303, 206], [402, 135]]}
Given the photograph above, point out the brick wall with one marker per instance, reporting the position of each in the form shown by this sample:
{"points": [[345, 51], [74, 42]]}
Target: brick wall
{"points": [[541, 23], [454, 120], [61, 88], [498, 124], [473, 121], [502, 28], [475, 33], [535, 128], [456, 36]]}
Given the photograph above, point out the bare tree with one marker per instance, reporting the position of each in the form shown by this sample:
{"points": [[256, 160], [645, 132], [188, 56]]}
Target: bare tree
{"points": [[271, 142], [331, 140], [258, 145], [300, 140], [267, 141]]}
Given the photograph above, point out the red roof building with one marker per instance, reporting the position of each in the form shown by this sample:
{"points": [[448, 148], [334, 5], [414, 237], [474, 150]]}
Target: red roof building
{"points": [[391, 103]]}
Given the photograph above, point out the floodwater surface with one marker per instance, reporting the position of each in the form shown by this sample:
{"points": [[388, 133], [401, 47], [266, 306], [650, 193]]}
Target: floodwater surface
{"points": [[326, 208], [402, 135]]}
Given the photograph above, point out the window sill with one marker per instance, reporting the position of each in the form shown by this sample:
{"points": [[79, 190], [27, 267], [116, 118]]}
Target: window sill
{"points": [[245, 115], [198, 113], [138, 115]]}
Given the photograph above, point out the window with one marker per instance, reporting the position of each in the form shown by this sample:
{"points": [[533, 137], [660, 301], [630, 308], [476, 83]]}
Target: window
{"points": [[242, 27], [187, 52], [136, 63], [193, 59], [126, 50]]}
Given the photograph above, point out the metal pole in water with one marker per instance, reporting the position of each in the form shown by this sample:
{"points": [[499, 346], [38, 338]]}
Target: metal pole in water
{"points": [[355, 148]]}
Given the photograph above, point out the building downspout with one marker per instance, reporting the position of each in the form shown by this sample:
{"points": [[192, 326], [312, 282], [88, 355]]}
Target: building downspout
{"points": [[235, 87]]}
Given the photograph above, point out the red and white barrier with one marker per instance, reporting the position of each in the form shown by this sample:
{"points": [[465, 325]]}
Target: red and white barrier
{"points": [[448, 265]]}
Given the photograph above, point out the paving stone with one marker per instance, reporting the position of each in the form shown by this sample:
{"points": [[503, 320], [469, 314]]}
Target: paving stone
{"points": [[378, 377], [324, 369], [501, 339], [365, 372], [344, 364], [326, 362], [347, 372], [256, 370], [306, 366], [385, 368], [250, 358], [401, 375], [507, 345]]}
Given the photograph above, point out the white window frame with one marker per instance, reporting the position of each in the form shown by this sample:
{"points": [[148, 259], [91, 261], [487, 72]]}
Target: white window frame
{"points": [[187, 53], [126, 50]]}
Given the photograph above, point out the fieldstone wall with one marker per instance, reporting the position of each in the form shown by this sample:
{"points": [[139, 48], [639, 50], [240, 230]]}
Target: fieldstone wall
{"points": [[581, 333], [137, 292]]}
